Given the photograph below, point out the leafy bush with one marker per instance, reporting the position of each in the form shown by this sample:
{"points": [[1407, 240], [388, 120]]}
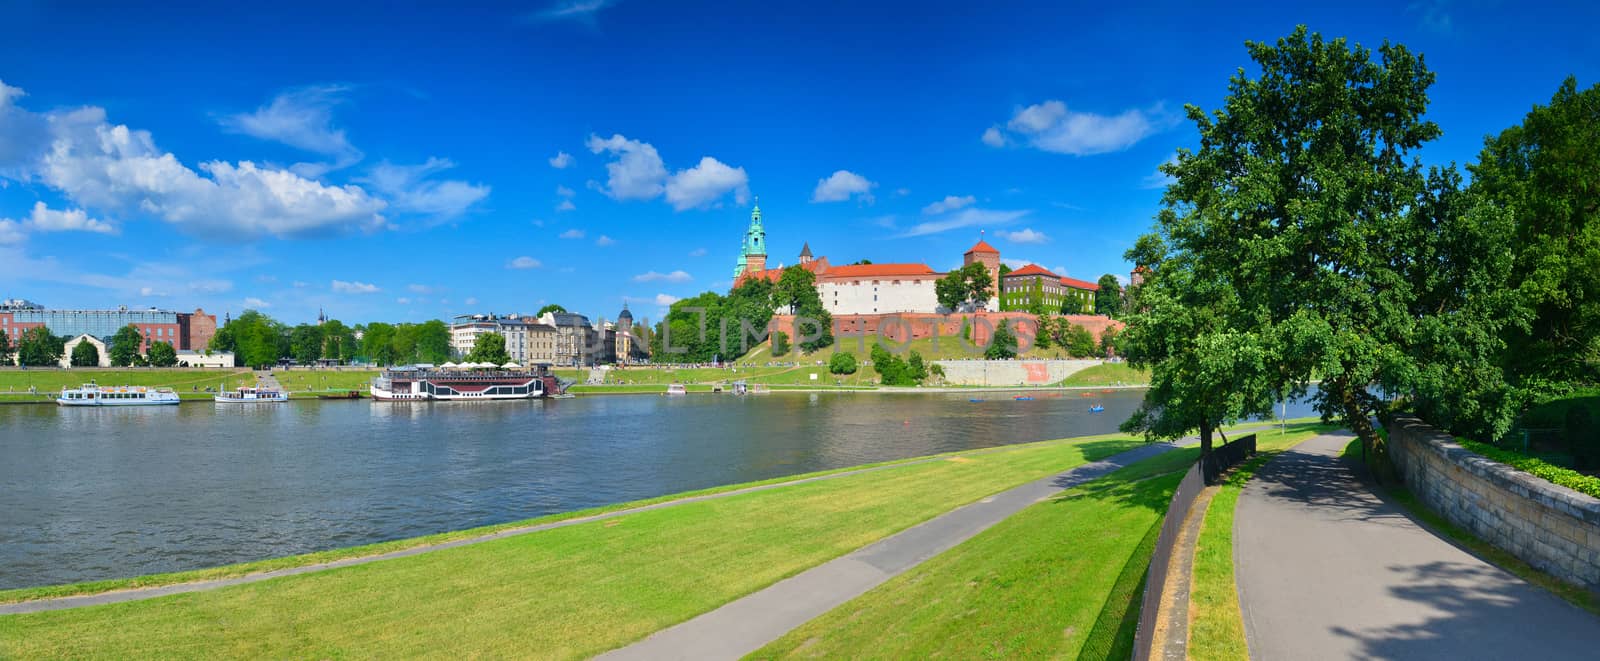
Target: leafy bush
{"points": [[1003, 346], [892, 371], [842, 362], [1552, 473], [780, 343]]}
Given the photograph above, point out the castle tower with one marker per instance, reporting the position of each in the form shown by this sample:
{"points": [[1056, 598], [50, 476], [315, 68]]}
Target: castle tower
{"points": [[985, 254], [805, 254], [753, 254]]}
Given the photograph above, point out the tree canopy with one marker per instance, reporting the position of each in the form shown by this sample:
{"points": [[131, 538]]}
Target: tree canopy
{"points": [[1108, 299], [85, 355], [36, 347], [1289, 245], [551, 307], [965, 288], [489, 348], [5, 347], [124, 346], [162, 354]]}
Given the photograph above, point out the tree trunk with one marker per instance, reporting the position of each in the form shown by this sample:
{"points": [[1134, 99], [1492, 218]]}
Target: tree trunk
{"points": [[1205, 440], [1355, 414]]}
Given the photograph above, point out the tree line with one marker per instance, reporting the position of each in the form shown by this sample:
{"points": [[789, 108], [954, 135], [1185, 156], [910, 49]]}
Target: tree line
{"points": [[1304, 243], [259, 340]]}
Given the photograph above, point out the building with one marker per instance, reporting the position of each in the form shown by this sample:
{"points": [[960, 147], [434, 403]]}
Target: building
{"points": [[852, 289], [529, 341], [577, 343], [209, 359], [465, 329], [541, 344], [622, 344], [182, 330], [1034, 286], [985, 254], [66, 353]]}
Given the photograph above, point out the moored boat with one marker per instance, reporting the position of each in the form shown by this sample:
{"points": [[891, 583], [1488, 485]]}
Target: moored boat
{"points": [[249, 395], [416, 384], [91, 394], [677, 389]]}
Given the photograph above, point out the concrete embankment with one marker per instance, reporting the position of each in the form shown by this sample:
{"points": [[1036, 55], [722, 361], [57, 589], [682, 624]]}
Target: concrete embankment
{"points": [[1011, 372]]}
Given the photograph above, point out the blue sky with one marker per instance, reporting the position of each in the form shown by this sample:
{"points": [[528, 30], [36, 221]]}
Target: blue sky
{"points": [[410, 164]]}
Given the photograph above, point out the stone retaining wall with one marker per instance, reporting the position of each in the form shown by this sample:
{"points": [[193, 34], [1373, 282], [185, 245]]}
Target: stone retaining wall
{"points": [[1011, 372], [1551, 527]]}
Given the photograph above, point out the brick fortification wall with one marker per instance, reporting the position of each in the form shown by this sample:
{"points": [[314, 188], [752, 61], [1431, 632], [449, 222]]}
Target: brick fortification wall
{"points": [[902, 327], [1553, 528]]}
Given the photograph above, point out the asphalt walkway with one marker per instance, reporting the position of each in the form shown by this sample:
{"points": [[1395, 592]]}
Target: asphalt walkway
{"points": [[745, 625], [1327, 570]]}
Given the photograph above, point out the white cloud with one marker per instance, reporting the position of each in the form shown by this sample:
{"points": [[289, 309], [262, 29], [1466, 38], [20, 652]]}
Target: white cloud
{"points": [[302, 119], [572, 234], [256, 303], [666, 299], [604, 241], [45, 219], [841, 185], [301, 284], [561, 160], [637, 174], [703, 184], [524, 262], [1014, 263], [993, 137], [1051, 127], [423, 289], [697, 252], [582, 11], [1025, 235], [563, 191], [354, 287], [902, 192], [970, 217], [411, 190], [471, 301], [566, 205], [403, 300], [652, 276], [151, 291], [949, 203]]}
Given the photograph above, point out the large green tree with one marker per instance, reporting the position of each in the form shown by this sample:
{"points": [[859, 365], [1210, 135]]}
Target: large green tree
{"points": [[255, 339], [1546, 173], [747, 311], [796, 293], [433, 341], [377, 343], [338, 341], [124, 346], [5, 347], [550, 307], [36, 347], [85, 355], [305, 343], [162, 354], [489, 348], [965, 288], [1285, 241], [1108, 299]]}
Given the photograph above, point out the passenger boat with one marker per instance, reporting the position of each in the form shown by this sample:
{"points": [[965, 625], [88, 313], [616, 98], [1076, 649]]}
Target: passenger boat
{"points": [[249, 395], [94, 395], [1097, 409], [677, 389], [417, 384]]}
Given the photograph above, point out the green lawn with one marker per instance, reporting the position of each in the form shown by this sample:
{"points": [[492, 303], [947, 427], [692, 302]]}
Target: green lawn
{"points": [[1216, 625], [1107, 374], [184, 380], [298, 381], [1060, 579], [564, 593]]}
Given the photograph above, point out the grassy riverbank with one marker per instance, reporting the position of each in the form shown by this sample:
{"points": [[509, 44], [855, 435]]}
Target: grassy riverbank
{"points": [[567, 592]]}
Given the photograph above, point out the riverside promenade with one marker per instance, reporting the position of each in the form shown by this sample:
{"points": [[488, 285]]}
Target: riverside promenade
{"points": [[1327, 570]]}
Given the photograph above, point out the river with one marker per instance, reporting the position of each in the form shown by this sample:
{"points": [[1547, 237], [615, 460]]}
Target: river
{"points": [[96, 493]]}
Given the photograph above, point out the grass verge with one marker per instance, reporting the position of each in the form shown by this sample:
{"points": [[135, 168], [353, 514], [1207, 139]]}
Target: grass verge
{"points": [[1464, 538], [1107, 374], [562, 593], [1059, 579], [1216, 626]]}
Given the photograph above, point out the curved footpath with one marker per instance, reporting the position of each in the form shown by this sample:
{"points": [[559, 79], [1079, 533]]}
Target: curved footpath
{"points": [[1327, 570]]}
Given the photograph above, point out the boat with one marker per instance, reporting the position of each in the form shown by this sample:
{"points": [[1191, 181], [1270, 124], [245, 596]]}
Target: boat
{"points": [[1097, 409], [423, 384], [350, 394], [91, 394], [975, 401], [251, 395], [1023, 398], [677, 389]]}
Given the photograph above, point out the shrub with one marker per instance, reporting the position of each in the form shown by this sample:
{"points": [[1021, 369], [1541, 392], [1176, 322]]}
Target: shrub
{"points": [[842, 362], [1548, 472], [780, 343], [1003, 346]]}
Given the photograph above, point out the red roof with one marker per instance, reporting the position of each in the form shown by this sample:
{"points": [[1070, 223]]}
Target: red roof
{"points": [[1033, 269], [982, 246], [1080, 284], [877, 270]]}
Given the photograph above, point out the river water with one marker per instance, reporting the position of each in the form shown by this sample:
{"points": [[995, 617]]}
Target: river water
{"points": [[96, 493]]}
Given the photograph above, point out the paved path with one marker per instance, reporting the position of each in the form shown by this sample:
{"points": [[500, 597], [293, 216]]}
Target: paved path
{"points": [[1326, 570], [745, 625]]}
